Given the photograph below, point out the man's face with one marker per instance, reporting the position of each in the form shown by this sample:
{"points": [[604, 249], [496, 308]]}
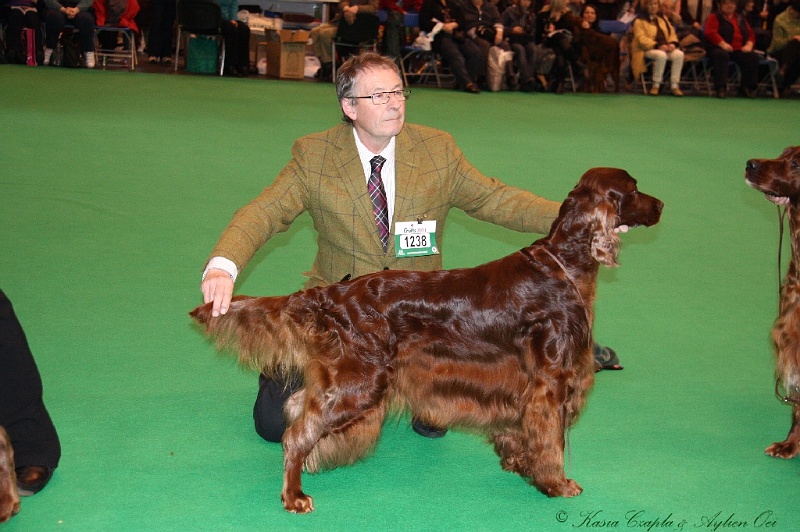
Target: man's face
{"points": [[376, 124]]}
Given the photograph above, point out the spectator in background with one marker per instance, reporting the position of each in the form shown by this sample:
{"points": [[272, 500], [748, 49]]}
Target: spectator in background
{"points": [[322, 36], [77, 13], [785, 46], [555, 27], [576, 6], [461, 53], [608, 9], [519, 23], [480, 20], [161, 33], [116, 14], [775, 8], [758, 22], [654, 38], [697, 10], [237, 39], [19, 14], [598, 52], [394, 37], [683, 25], [730, 38]]}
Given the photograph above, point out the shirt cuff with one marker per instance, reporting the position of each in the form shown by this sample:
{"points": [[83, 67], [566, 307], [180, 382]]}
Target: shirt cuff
{"points": [[221, 263]]}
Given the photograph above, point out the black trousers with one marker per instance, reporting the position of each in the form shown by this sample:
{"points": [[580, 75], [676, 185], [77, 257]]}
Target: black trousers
{"points": [[268, 410], [789, 59], [16, 22], [747, 61], [237, 46], [161, 32], [22, 411]]}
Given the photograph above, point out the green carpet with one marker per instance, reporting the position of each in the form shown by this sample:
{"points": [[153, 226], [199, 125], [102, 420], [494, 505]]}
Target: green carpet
{"points": [[114, 187]]}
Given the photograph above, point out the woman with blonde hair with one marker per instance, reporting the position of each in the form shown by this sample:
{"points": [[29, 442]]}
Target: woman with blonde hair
{"points": [[654, 38]]}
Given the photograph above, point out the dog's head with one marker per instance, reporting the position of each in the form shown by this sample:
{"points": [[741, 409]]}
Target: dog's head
{"points": [[778, 179], [605, 200]]}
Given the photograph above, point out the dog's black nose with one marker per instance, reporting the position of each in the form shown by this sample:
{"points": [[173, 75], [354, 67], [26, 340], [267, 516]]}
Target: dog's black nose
{"points": [[751, 165]]}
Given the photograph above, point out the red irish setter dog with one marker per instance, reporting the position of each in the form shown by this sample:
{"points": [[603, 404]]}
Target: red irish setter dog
{"points": [[779, 180], [600, 54], [504, 348], [9, 499]]}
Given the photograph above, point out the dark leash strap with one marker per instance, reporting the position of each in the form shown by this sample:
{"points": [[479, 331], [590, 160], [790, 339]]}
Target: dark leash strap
{"points": [[782, 396], [565, 415], [574, 287], [781, 220]]}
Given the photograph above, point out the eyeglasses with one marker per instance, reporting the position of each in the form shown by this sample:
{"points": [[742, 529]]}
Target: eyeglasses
{"points": [[381, 98]]}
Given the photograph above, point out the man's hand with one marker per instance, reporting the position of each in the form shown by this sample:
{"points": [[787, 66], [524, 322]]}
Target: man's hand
{"points": [[217, 287], [350, 14]]}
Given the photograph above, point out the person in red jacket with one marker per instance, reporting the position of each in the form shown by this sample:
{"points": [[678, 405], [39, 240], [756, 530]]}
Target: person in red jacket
{"points": [[730, 38]]}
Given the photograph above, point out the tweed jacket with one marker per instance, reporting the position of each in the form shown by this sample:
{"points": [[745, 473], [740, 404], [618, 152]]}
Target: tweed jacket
{"points": [[325, 177], [644, 39]]}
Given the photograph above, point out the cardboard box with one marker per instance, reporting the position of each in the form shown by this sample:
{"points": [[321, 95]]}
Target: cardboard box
{"points": [[286, 53]]}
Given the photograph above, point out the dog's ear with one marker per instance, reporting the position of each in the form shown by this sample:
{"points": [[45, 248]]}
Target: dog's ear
{"points": [[594, 214], [605, 242], [609, 186]]}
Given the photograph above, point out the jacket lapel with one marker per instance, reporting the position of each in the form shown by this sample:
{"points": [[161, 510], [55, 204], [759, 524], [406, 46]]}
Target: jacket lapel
{"points": [[405, 168], [351, 173]]}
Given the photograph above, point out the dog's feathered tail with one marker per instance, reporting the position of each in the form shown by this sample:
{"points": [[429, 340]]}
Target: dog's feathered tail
{"points": [[264, 336]]}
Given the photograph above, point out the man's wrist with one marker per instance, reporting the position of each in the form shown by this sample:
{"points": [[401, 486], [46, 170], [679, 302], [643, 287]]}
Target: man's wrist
{"points": [[221, 263]]}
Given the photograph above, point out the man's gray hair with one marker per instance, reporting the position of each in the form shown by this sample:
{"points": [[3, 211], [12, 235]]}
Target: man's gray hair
{"points": [[346, 75]]}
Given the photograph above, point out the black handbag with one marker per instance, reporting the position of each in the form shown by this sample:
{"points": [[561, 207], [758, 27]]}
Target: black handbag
{"points": [[487, 33], [68, 52]]}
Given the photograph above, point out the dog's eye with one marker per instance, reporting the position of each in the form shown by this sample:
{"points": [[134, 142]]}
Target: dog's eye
{"points": [[794, 164]]}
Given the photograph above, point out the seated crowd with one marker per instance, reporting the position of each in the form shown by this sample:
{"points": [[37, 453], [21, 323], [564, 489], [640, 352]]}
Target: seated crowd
{"points": [[527, 45]]}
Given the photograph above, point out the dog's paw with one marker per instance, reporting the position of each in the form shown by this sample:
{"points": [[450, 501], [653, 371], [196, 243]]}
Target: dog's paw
{"points": [[298, 503], [9, 507], [566, 488], [784, 449]]}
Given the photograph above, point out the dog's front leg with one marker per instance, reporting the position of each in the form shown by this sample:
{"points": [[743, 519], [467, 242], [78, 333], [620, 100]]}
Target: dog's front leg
{"points": [[298, 442], [544, 425], [790, 447]]}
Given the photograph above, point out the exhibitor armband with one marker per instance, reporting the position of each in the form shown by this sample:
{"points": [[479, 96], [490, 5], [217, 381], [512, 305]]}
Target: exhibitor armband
{"points": [[415, 239]]}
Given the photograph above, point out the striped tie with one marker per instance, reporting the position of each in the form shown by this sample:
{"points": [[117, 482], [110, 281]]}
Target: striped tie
{"points": [[378, 196]]}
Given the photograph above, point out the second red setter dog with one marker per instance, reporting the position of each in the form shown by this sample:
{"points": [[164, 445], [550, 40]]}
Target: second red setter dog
{"points": [[779, 180], [600, 54], [9, 499], [504, 348]]}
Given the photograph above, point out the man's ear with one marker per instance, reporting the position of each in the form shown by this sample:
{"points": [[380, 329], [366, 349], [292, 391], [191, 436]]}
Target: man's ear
{"points": [[349, 108]]}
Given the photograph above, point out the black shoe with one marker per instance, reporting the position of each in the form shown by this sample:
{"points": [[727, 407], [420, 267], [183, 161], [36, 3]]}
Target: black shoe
{"points": [[325, 72], [605, 358], [747, 93], [426, 430], [472, 88], [529, 85], [32, 479]]}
